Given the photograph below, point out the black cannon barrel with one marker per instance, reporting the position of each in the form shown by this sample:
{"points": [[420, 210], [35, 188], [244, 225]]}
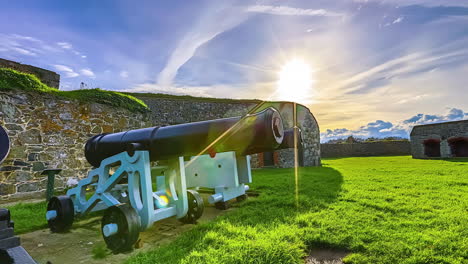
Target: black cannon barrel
{"points": [[253, 133], [288, 139]]}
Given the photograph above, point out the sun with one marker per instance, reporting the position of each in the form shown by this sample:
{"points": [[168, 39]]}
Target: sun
{"points": [[295, 81]]}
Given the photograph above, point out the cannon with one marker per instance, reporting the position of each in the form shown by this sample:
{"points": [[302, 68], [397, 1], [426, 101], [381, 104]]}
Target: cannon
{"points": [[145, 175]]}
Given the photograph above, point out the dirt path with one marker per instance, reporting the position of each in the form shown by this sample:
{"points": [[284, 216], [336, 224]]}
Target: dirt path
{"points": [[77, 245]]}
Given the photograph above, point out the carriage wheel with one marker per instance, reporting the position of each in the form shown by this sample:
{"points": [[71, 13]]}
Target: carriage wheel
{"points": [[195, 207], [120, 227], [60, 213]]}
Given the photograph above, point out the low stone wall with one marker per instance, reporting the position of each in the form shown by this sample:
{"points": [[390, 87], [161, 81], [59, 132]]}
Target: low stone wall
{"points": [[166, 111], [49, 132], [384, 148], [49, 78]]}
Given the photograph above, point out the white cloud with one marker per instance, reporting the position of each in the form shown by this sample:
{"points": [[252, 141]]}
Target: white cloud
{"points": [[289, 11], [215, 22], [65, 45], [88, 73], [69, 72], [402, 129], [429, 3], [24, 51], [398, 20], [123, 74]]}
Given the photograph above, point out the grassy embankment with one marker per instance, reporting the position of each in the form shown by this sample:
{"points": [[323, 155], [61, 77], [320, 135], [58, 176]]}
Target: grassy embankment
{"points": [[11, 80], [382, 210]]}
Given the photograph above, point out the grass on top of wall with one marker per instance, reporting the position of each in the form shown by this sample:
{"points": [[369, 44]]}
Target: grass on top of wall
{"points": [[11, 79], [194, 98]]}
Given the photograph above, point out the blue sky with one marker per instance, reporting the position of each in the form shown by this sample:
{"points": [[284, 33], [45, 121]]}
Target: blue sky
{"points": [[378, 66]]}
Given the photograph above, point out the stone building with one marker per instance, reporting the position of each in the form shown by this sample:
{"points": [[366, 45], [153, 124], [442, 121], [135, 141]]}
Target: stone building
{"points": [[442, 140], [49, 78]]}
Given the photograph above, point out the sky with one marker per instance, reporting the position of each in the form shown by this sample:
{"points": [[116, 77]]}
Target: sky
{"points": [[377, 67]]}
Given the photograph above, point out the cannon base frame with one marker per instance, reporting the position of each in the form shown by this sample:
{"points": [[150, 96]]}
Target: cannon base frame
{"points": [[157, 192]]}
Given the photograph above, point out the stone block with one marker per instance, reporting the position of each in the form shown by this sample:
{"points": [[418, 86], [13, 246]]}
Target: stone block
{"points": [[33, 156], [38, 166], [31, 136], [7, 188], [28, 187]]}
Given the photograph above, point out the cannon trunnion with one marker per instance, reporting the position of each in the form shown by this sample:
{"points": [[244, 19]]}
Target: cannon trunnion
{"points": [[134, 192]]}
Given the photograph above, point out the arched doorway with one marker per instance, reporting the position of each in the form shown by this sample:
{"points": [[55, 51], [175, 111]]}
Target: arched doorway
{"points": [[432, 148], [459, 146]]}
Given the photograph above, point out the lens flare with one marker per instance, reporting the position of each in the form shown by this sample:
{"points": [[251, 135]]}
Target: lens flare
{"points": [[295, 81]]}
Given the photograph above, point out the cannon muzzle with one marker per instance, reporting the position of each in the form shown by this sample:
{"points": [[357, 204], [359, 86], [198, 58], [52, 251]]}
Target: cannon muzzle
{"points": [[250, 134], [4, 144]]}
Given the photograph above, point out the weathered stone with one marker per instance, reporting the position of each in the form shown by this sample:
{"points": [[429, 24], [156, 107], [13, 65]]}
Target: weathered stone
{"points": [[31, 136], [8, 110], [96, 130], [38, 166], [66, 116], [7, 188], [28, 187], [17, 152], [9, 168], [14, 127], [107, 129], [20, 163], [33, 156], [21, 176]]}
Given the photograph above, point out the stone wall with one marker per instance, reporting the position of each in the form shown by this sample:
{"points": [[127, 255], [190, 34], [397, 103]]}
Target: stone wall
{"points": [[49, 78], [49, 132], [384, 148], [442, 132], [171, 111]]}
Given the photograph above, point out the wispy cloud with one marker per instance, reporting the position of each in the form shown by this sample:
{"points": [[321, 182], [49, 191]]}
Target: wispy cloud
{"points": [[290, 11], [88, 73], [65, 45], [123, 74], [213, 23], [69, 72]]}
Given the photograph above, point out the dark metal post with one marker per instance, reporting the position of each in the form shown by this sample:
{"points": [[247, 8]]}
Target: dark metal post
{"points": [[50, 181]]}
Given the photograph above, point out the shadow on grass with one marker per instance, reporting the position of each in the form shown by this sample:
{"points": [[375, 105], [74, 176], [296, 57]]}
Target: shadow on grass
{"points": [[456, 159], [263, 229]]}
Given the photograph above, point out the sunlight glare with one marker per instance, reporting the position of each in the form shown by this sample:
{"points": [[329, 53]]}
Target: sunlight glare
{"points": [[295, 81]]}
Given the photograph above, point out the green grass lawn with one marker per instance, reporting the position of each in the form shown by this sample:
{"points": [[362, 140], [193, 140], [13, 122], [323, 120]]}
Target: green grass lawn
{"points": [[382, 210], [28, 217]]}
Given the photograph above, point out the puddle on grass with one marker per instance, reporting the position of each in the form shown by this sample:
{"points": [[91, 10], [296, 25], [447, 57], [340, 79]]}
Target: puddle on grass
{"points": [[326, 256]]}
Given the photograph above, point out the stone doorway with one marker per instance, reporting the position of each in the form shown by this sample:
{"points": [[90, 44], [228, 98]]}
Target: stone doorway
{"points": [[459, 146], [268, 159], [432, 148]]}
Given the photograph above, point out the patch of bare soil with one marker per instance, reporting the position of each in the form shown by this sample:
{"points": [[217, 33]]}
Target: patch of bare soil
{"points": [[326, 256], [77, 245]]}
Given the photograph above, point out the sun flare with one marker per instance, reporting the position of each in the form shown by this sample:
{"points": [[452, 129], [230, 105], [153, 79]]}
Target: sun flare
{"points": [[295, 81]]}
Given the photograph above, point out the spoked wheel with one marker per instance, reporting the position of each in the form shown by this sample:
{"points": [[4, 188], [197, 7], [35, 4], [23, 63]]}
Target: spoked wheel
{"points": [[222, 205], [195, 207], [60, 213], [242, 197], [120, 227]]}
